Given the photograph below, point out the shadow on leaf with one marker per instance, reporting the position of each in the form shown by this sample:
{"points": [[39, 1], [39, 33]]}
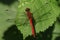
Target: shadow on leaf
{"points": [[58, 2], [58, 18], [8, 2], [13, 34], [57, 38], [46, 35]]}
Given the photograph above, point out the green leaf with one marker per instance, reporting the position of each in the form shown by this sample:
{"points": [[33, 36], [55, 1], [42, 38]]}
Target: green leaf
{"points": [[7, 13], [44, 13]]}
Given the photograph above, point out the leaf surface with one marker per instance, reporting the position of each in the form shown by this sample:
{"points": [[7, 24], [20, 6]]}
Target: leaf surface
{"points": [[44, 13]]}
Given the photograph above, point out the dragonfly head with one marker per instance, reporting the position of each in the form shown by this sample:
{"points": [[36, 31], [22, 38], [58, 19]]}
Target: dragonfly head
{"points": [[27, 9]]}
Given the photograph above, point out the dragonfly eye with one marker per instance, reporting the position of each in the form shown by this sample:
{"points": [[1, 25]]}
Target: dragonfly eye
{"points": [[27, 9]]}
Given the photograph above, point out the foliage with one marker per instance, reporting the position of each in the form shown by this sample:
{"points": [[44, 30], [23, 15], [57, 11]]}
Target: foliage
{"points": [[44, 12]]}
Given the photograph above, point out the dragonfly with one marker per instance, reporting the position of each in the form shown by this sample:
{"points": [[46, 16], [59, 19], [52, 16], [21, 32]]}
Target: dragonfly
{"points": [[32, 21]]}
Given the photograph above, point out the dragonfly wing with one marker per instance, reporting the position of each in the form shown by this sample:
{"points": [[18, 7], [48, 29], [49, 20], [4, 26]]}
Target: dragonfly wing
{"points": [[42, 17], [22, 19]]}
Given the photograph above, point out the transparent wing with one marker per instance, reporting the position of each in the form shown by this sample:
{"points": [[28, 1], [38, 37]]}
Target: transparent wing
{"points": [[41, 18], [22, 19]]}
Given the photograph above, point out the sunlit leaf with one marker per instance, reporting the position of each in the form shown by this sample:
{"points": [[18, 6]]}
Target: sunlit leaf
{"points": [[44, 13]]}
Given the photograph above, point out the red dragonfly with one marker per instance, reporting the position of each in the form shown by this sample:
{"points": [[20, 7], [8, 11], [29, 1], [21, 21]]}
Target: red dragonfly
{"points": [[32, 21]]}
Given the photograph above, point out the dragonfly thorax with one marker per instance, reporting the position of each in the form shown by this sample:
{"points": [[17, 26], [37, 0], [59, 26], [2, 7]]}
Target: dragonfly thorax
{"points": [[27, 10]]}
